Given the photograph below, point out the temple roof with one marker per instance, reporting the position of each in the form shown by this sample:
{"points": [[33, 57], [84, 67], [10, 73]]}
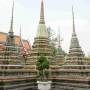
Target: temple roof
{"points": [[3, 37]]}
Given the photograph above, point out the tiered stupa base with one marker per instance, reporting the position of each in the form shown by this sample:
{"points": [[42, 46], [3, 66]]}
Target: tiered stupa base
{"points": [[40, 47]]}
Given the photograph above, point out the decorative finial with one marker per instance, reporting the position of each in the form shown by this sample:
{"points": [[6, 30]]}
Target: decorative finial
{"points": [[42, 13]]}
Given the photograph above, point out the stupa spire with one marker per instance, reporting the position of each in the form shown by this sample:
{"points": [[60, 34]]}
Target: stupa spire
{"points": [[73, 20], [59, 42], [60, 53], [42, 13], [20, 32], [20, 42], [59, 50], [74, 39], [75, 56], [11, 26], [10, 37], [42, 30]]}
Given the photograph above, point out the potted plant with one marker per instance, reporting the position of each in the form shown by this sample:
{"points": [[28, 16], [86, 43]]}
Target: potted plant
{"points": [[42, 66]]}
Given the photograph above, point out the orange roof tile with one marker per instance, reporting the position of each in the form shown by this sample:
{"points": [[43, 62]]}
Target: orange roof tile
{"points": [[2, 37]]}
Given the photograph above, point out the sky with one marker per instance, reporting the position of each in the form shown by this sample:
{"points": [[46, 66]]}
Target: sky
{"points": [[58, 13]]}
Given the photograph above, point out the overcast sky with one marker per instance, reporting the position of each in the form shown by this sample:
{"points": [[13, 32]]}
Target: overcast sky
{"points": [[57, 13]]}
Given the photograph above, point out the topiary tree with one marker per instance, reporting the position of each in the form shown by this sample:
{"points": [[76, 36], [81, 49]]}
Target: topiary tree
{"points": [[42, 66]]}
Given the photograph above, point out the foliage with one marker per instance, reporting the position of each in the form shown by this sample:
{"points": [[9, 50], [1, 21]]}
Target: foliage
{"points": [[42, 66], [54, 50], [52, 40]]}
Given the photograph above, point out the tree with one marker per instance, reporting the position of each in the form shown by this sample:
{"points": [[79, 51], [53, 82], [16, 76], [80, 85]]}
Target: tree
{"points": [[52, 40], [42, 66]]}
